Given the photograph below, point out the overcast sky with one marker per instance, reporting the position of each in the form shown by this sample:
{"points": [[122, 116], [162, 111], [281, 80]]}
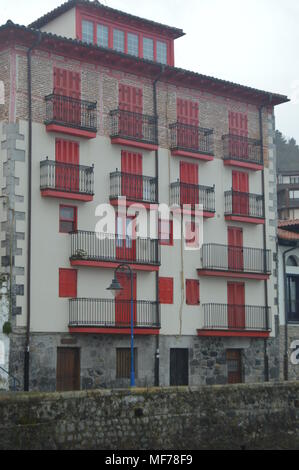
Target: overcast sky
{"points": [[251, 42]]}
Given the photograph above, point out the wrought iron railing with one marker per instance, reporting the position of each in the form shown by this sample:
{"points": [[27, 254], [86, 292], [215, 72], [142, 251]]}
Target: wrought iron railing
{"points": [[110, 313], [91, 246], [66, 177], [241, 148], [135, 187], [236, 317], [71, 112], [191, 138], [244, 204], [236, 258], [15, 382], [134, 126], [192, 194]]}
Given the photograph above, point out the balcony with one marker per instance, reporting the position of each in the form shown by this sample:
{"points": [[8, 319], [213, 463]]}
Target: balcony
{"points": [[134, 129], [136, 188], [235, 262], [62, 180], [244, 207], [109, 316], [184, 193], [191, 141], [71, 116], [242, 152], [107, 251], [235, 320]]}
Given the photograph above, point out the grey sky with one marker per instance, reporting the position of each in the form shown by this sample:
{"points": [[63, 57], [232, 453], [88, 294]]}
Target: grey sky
{"points": [[252, 42]]}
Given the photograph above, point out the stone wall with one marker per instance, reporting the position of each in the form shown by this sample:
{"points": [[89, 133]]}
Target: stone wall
{"points": [[221, 417], [4, 339]]}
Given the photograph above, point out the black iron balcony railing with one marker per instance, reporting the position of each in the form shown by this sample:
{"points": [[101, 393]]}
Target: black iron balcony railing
{"points": [[66, 177], [185, 193], [243, 149], [91, 246], [236, 317], [244, 204], [71, 112], [236, 258], [134, 126], [191, 138], [110, 313], [135, 187]]}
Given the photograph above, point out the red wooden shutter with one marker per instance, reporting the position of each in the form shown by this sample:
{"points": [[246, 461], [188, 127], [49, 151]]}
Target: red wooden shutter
{"points": [[131, 100], [236, 305], [187, 116], [189, 183], [123, 300], [68, 283], [192, 292], [238, 125], [67, 176], [235, 248], [240, 193], [67, 83], [166, 290], [131, 164]]}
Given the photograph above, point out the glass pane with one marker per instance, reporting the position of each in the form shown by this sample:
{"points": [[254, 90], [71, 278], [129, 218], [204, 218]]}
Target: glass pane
{"points": [[118, 40], [161, 52], [87, 31], [67, 213], [102, 35], [148, 49], [66, 227], [133, 45]]}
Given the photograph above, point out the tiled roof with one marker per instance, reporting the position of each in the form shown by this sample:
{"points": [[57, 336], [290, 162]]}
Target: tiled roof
{"points": [[40, 22], [287, 235], [288, 223]]}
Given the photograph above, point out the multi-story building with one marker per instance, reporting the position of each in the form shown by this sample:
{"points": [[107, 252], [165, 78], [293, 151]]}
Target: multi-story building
{"points": [[95, 109], [288, 183]]}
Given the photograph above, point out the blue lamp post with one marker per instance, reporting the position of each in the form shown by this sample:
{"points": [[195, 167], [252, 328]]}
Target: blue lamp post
{"points": [[115, 288]]}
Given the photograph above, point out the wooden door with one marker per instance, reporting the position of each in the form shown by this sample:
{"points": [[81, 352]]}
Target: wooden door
{"points": [[240, 202], [234, 366], [68, 369], [125, 238], [130, 100], [187, 115], [123, 301], [238, 126], [179, 367], [235, 248], [67, 84], [236, 305], [67, 176], [131, 180], [189, 191]]}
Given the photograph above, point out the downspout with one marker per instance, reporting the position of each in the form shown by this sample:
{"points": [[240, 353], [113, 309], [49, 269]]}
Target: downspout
{"points": [[155, 107], [266, 359], [29, 85], [285, 357]]}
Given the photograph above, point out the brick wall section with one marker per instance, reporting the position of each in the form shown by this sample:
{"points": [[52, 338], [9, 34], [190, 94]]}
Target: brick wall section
{"points": [[101, 84], [5, 78], [225, 417]]}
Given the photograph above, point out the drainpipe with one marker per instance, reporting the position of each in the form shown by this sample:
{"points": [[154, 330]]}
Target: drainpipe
{"points": [[285, 357], [29, 85], [266, 358], [155, 107]]}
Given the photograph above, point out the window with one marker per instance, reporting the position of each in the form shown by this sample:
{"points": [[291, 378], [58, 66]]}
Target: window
{"points": [[161, 52], [293, 298], [133, 44], [294, 179], [192, 292], [166, 290], [294, 194], [68, 283], [67, 219], [102, 35], [148, 49], [166, 232], [118, 40], [123, 363], [87, 31]]}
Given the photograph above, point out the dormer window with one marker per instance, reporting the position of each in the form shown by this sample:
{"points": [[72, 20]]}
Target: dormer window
{"points": [[118, 40], [133, 44], [148, 49], [87, 31], [161, 52], [102, 35]]}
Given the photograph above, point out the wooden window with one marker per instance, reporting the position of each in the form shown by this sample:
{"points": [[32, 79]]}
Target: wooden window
{"points": [[123, 363], [133, 44], [166, 290], [161, 52], [192, 292], [102, 35], [67, 219], [68, 283], [166, 232], [118, 40], [234, 366], [148, 48], [87, 31]]}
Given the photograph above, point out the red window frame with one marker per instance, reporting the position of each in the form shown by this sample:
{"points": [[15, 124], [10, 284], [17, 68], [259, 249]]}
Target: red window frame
{"points": [[166, 290], [74, 220], [194, 228], [165, 241], [67, 283], [192, 292]]}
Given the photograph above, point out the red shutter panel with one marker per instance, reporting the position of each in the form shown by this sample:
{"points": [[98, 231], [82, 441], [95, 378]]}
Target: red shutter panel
{"points": [[67, 177], [131, 164], [187, 113], [67, 283], [166, 290], [131, 100], [192, 292], [189, 183]]}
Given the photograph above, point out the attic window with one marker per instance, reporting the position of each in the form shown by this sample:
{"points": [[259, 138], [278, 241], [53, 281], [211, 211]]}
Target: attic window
{"points": [[87, 31], [148, 48], [161, 52], [102, 35], [118, 40], [133, 44]]}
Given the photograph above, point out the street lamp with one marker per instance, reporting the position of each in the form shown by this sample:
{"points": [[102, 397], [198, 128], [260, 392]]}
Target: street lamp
{"points": [[115, 288]]}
